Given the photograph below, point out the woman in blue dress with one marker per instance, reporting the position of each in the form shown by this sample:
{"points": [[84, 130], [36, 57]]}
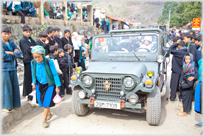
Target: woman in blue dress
{"points": [[45, 80], [198, 90], [10, 89]]}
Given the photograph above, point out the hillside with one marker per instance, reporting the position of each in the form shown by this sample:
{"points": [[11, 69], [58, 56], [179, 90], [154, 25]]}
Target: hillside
{"points": [[146, 12]]}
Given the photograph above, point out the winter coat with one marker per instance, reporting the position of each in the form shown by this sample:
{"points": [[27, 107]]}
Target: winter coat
{"points": [[9, 61], [65, 41], [25, 44], [63, 63], [58, 40], [198, 56], [177, 59], [187, 85], [192, 48], [44, 45]]}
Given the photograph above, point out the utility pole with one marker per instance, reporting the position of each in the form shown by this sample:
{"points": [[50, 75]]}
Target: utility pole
{"points": [[169, 19]]}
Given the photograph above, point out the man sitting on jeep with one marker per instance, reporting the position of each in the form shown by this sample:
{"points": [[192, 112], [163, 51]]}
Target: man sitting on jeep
{"points": [[148, 44]]}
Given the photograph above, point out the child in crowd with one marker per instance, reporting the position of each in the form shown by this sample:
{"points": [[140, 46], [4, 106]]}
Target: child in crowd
{"points": [[68, 50], [10, 87], [64, 65], [53, 52], [51, 33], [43, 41], [57, 37], [178, 50], [186, 85], [26, 44], [86, 40]]}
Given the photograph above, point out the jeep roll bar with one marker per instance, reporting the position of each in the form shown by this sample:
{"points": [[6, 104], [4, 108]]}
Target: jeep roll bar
{"points": [[136, 30]]}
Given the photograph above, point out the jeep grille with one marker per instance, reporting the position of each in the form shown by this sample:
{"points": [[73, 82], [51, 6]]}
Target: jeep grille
{"points": [[113, 92]]}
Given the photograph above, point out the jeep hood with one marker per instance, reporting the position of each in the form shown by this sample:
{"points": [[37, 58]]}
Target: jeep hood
{"points": [[132, 68]]}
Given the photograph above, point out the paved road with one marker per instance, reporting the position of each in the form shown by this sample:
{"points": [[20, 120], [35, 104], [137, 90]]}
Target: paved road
{"points": [[107, 121]]}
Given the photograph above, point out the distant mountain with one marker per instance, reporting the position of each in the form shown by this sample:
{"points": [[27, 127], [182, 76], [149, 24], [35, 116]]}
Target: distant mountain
{"points": [[145, 12]]}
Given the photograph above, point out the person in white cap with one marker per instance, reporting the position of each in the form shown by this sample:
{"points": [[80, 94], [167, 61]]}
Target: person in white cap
{"points": [[147, 43], [76, 44]]}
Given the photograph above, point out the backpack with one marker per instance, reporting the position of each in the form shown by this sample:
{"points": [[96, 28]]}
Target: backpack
{"points": [[55, 63]]}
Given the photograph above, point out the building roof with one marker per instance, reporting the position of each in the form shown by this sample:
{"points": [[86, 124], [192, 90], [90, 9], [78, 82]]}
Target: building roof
{"points": [[114, 18]]}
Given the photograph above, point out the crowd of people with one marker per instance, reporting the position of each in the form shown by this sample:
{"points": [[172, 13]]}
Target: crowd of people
{"points": [[179, 33], [52, 10], [186, 76], [104, 25], [59, 55], [21, 7], [51, 60]]}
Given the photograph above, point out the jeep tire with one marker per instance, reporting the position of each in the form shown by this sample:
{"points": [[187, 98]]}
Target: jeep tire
{"points": [[78, 108], [153, 113]]}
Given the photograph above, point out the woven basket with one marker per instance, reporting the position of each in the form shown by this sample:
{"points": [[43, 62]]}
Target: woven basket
{"points": [[47, 6], [36, 4]]}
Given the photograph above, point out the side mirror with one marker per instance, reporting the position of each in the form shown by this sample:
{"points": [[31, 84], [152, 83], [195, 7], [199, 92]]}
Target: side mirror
{"points": [[166, 52]]}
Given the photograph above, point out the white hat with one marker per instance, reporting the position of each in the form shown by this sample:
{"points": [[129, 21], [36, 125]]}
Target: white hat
{"points": [[74, 34], [148, 38], [177, 34]]}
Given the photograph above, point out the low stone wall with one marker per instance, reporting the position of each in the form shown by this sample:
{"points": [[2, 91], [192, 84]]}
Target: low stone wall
{"points": [[9, 19]]}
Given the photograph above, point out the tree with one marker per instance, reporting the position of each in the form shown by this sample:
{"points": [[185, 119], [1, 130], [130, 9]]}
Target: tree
{"points": [[184, 13], [165, 12]]}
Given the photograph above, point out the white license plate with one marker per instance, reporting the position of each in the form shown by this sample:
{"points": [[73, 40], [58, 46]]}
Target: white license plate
{"points": [[109, 105]]}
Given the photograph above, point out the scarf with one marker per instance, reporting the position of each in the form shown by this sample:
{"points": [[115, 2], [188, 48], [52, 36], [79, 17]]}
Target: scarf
{"points": [[58, 36], [80, 52], [189, 43], [188, 69], [183, 48], [39, 50]]}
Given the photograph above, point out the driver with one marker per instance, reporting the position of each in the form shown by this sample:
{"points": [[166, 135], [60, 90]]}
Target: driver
{"points": [[147, 43]]}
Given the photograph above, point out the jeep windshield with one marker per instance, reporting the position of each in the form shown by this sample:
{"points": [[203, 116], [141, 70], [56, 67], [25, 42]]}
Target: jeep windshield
{"points": [[126, 44]]}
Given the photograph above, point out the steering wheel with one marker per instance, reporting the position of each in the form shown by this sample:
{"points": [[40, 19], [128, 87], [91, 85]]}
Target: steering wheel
{"points": [[143, 49]]}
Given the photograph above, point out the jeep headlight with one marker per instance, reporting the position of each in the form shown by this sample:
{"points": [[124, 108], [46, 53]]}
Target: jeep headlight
{"points": [[82, 94], [133, 98], [148, 83], [87, 80], [160, 58], [129, 82], [150, 74]]}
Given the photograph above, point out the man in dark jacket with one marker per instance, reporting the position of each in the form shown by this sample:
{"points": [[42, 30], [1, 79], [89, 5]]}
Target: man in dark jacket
{"points": [[64, 66], [176, 67], [67, 39], [26, 44], [51, 33], [189, 43], [43, 41], [57, 37], [198, 54]]}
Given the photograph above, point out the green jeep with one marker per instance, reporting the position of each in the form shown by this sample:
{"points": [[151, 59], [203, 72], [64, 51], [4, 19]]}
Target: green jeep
{"points": [[128, 71]]}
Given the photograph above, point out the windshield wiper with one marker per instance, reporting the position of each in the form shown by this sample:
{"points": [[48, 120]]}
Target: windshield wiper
{"points": [[133, 51], [135, 55]]}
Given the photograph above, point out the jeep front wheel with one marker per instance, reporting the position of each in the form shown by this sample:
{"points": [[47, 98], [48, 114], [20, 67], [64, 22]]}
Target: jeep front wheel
{"points": [[78, 108], [153, 113]]}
